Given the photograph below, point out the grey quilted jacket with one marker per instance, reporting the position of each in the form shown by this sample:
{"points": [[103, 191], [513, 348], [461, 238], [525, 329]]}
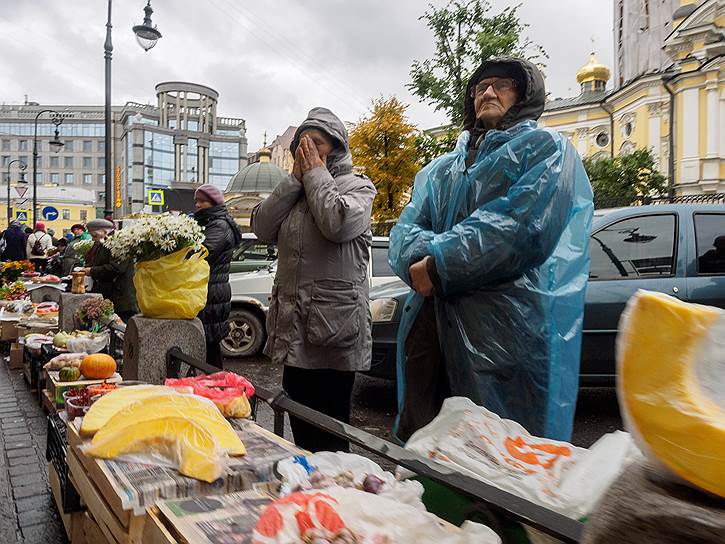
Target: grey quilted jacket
{"points": [[319, 315]]}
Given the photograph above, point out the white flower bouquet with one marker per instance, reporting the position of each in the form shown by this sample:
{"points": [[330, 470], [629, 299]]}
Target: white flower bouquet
{"points": [[171, 273], [152, 237]]}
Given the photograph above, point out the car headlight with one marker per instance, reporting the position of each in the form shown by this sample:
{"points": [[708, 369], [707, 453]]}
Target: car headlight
{"points": [[383, 309]]}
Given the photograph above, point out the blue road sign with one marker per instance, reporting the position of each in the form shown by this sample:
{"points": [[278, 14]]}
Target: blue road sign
{"points": [[22, 215], [50, 213]]}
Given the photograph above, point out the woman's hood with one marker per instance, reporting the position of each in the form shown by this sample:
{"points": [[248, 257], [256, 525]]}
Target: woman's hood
{"points": [[339, 161], [531, 101]]}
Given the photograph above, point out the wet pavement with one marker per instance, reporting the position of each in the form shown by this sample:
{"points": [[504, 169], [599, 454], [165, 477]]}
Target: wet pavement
{"points": [[27, 510]]}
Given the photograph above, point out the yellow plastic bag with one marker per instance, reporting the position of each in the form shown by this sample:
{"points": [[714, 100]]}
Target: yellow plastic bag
{"points": [[174, 286]]}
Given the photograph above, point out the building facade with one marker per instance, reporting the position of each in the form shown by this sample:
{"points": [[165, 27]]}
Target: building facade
{"points": [[182, 139], [280, 148], [675, 107], [66, 206]]}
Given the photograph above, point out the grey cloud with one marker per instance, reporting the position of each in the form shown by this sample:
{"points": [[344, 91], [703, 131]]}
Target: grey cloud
{"points": [[270, 61]]}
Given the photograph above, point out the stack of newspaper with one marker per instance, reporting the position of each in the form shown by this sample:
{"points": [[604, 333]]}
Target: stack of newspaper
{"points": [[141, 485], [221, 519]]}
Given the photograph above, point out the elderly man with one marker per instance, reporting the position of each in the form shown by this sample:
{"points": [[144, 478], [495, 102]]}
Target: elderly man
{"points": [[495, 245]]}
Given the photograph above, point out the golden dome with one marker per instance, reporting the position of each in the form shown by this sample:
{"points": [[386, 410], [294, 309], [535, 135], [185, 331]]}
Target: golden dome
{"points": [[593, 71]]}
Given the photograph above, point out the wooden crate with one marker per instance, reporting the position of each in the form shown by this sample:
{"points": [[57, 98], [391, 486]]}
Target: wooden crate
{"points": [[56, 388], [117, 525], [48, 404], [71, 522], [155, 531]]}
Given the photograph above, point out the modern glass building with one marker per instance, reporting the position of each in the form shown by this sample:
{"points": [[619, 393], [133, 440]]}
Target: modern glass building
{"points": [[179, 141]]}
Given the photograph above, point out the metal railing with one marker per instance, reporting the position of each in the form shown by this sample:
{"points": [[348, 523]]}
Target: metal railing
{"points": [[495, 500]]}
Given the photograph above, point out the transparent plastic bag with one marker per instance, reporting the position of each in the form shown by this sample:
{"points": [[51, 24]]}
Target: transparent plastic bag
{"points": [[88, 343], [165, 441], [303, 473], [229, 391], [476, 442], [355, 516], [671, 386]]}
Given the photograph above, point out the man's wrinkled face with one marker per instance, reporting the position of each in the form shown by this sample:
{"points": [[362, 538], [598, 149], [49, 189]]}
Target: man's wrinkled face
{"points": [[493, 97]]}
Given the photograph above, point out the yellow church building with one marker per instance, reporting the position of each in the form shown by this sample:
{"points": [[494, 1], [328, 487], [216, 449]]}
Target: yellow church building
{"points": [[668, 93]]}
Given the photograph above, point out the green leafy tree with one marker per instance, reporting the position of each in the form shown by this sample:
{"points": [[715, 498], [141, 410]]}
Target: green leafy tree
{"points": [[466, 34], [429, 147], [383, 144], [626, 180]]}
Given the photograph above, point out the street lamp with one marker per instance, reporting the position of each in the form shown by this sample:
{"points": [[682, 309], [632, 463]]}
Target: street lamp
{"points": [[55, 145], [147, 36], [22, 166]]}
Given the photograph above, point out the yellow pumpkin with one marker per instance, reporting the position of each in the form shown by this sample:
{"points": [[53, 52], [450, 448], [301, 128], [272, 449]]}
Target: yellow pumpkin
{"points": [[98, 366]]}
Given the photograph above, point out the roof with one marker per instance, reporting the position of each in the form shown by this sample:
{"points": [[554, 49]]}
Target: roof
{"points": [[587, 97], [285, 139], [258, 177]]}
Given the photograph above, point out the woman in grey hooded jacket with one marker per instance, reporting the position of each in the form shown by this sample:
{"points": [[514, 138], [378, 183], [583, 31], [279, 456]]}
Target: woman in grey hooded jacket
{"points": [[319, 316]]}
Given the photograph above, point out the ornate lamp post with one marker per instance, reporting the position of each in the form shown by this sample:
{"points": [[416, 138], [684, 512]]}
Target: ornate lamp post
{"points": [[147, 35], [55, 145], [22, 166]]}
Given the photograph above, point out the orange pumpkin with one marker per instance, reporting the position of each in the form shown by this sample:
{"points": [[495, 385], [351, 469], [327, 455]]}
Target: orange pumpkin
{"points": [[98, 366]]}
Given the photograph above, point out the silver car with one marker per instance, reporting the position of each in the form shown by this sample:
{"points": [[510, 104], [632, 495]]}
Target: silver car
{"points": [[251, 293]]}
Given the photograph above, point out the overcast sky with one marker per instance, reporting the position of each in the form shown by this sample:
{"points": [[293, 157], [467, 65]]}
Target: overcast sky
{"points": [[271, 60]]}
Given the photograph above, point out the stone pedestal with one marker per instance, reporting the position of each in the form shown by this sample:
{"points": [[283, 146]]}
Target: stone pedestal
{"points": [[643, 508], [69, 304], [146, 342], [45, 294]]}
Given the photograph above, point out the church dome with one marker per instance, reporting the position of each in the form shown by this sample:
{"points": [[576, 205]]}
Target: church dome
{"points": [[593, 76], [259, 177]]}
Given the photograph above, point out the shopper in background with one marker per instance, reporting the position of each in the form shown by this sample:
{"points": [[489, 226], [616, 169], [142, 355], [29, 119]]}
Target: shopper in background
{"points": [[111, 278], [38, 246], [15, 249], [222, 235]]}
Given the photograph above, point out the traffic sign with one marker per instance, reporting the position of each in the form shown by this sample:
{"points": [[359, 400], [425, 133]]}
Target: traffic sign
{"points": [[50, 213], [22, 203], [156, 197], [21, 190], [22, 215]]}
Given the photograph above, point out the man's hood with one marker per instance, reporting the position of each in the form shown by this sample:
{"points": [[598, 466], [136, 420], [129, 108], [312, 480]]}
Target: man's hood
{"points": [[531, 99], [339, 161]]}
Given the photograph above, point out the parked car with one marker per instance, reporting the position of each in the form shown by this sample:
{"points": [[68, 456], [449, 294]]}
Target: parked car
{"points": [[251, 294], [678, 249], [251, 254]]}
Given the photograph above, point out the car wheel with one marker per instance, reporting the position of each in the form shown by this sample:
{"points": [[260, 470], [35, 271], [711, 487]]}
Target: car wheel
{"points": [[246, 334]]}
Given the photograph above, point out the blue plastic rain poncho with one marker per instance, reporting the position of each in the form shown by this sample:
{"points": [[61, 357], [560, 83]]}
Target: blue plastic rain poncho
{"points": [[509, 235]]}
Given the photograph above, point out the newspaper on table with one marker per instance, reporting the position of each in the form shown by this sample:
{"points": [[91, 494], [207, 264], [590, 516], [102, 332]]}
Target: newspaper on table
{"points": [[221, 519], [140, 485]]}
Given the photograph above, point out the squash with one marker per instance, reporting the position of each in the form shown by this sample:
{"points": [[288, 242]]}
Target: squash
{"points": [[69, 374], [187, 443], [98, 366], [670, 385], [197, 409]]}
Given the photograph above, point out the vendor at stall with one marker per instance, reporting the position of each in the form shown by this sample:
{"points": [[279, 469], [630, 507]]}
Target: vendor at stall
{"points": [[111, 278], [495, 246]]}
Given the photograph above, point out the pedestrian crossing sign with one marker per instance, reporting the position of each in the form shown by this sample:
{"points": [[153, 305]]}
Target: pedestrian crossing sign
{"points": [[156, 197], [22, 215]]}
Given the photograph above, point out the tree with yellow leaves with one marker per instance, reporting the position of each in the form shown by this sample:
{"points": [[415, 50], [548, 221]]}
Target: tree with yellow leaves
{"points": [[384, 145]]}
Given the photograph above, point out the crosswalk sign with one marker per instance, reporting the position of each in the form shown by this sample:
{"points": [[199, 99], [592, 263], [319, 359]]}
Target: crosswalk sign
{"points": [[22, 215], [156, 197]]}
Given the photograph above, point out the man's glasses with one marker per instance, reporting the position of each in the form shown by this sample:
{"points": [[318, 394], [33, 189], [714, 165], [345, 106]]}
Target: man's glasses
{"points": [[499, 85]]}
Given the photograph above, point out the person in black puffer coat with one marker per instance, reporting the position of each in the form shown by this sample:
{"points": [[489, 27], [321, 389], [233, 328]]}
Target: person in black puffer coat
{"points": [[222, 236]]}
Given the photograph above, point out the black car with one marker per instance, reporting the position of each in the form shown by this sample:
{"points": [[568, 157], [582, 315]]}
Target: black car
{"points": [[678, 249]]}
